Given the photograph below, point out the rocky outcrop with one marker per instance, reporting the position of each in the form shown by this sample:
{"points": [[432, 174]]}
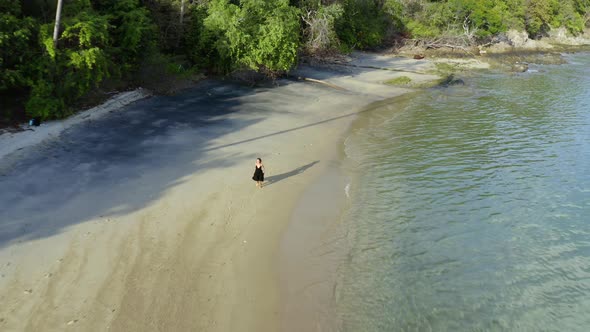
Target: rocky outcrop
{"points": [[561, 36], [517, 40]]}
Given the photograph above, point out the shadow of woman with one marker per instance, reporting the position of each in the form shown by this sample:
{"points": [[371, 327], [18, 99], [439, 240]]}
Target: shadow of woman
{"points": [[276, 178]]}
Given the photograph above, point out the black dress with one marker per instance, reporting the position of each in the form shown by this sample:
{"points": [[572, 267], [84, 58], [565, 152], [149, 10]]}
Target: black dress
{"points": [[258, 174]]}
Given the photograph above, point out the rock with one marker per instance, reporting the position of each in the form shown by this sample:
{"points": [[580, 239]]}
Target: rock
{"points": [[520, 67], [559, 34], [517, 38], [451, 80]]}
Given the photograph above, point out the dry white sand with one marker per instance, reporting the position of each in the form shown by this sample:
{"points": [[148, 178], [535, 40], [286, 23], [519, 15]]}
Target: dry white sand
{"points": [[202, 256]]}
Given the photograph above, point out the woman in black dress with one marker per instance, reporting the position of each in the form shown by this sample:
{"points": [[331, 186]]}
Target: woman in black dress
{"points": [[258, 173]]}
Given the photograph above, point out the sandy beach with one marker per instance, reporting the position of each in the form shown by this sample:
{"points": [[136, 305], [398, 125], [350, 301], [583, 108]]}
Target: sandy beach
{"points": [[147, 219]]}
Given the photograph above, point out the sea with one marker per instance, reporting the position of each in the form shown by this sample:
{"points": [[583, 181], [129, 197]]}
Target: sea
{"points": [[468, 207]]}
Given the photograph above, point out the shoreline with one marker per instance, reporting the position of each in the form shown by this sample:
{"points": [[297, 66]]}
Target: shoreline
{"points": [[167, 231], [314, 245], [310, 250], [536, 72]]}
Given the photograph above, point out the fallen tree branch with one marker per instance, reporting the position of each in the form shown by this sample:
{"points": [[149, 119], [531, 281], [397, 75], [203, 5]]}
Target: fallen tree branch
{"points": [[323, 82], [331, 85]]}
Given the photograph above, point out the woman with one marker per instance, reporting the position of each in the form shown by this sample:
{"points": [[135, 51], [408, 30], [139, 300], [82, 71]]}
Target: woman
{"points": [[258, 173]]}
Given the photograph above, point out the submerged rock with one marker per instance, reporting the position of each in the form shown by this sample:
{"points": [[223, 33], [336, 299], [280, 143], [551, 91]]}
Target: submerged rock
{"points": [[451, 80], [520, 67]]}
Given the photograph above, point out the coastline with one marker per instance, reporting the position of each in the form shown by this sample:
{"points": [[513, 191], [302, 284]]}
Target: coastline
{"points": [[369, 276], [314, 244], [184, 240]]}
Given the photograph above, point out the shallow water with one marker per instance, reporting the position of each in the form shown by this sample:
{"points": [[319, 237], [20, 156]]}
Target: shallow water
{"points": [[471, 207]]}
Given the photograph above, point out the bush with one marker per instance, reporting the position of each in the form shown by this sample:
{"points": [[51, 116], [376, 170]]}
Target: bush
{"points": [[131, 31], [17, 45], [485, 17], [430, 20], [198, 42], [538, 16], [79, 64], [254, 34], [362, 24], [320, 34]]}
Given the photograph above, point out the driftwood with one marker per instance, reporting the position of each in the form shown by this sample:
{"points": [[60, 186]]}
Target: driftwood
{"points": [[331, 85], [439, 43]]}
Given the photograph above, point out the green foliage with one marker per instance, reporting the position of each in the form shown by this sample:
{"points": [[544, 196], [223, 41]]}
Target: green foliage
{"points": [[538, 16], [428, 20], [79, 64], [257, 34], [42, 102], [319, 32], [486, 16], [514, 16], [422, 30], [571, 15], [17, 45], [362, 24], [394, 12], [445, 69], [131, 31], [277, 42], [198, 41], [401, 80], [135, 39]]}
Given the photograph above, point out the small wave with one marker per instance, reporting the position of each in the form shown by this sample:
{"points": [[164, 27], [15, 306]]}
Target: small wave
{"points": [[347, 190]]}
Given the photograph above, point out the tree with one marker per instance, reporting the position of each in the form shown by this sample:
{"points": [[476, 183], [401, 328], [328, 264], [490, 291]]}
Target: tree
{"points": [[65, 74], [57, 22], [17, 45], [319, 31], [363, 24], [538, 16], [181, 11], [256, 34]]}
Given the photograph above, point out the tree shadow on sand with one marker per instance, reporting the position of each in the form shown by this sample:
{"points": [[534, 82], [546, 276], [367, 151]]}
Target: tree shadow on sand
{"points": [[279, 177], [125, 161]]}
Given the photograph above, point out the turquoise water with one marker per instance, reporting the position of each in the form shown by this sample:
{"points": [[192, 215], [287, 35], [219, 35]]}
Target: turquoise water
{"points": [[470, 208]]}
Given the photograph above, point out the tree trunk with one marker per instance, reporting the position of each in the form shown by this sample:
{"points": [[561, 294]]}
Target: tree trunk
{"points": [[57, 22], [181, 11]]}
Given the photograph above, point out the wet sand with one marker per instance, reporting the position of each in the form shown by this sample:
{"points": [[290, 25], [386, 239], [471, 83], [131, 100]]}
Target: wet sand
{"points": [[147, 219]]}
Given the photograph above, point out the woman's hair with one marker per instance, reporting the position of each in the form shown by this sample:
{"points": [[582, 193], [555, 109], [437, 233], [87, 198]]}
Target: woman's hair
{"points": [[260, 160]]}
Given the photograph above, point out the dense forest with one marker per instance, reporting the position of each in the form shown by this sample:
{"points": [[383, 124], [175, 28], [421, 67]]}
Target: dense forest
{"points": [[44, 71]]}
